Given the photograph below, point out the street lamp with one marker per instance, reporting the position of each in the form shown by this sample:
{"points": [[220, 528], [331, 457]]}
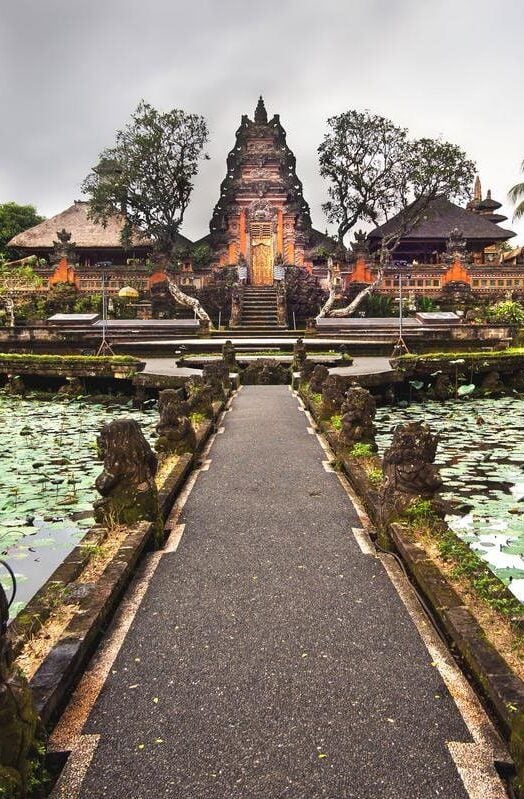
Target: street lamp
{"points": [[105, 346], [400, 347]]}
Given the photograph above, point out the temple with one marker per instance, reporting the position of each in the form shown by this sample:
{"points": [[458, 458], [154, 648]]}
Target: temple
{"points": [[262, 223], [261, 217]]}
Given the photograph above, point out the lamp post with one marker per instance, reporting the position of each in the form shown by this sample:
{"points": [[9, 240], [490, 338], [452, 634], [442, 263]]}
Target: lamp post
{"points": [[105, 346], [400, 347]]}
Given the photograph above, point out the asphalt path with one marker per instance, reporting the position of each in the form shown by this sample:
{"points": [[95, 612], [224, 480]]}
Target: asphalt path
{"points": [[271, 658]]}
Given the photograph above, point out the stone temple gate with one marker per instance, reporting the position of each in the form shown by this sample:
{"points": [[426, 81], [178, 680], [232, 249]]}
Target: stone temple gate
{"points": [[262, 216]]}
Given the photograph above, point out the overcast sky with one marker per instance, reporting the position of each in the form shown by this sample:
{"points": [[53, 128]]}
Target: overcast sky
{"points": [[72, 72]]}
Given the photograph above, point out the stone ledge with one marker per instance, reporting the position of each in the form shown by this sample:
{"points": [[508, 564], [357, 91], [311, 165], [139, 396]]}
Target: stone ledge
{"points": [[58, 672], [61, 668], [502, 688]]}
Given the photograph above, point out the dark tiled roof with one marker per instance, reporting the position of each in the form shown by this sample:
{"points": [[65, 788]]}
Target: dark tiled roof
{"points": [[441, 217]]}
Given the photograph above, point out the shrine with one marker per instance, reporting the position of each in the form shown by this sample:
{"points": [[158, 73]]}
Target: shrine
{"points": [[261, 219]]}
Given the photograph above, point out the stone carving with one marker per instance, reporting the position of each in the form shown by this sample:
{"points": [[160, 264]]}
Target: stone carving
{"points": [[200, 397], [299, 355], [127, 484], [307, 370], [281, 304], [175, 431], [320, 373], [261, 211], [358, 412], [456, 248], [15, 385], [72, 386], [63, 247], [229, 355], [492, 384], [236, 307], [332, 396], [266, 371], [409, 469], [359, 247], [19, 727], [442, 388], [216, 375]]}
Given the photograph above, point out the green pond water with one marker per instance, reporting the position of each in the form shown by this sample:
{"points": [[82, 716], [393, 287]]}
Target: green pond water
{"points": [[481, 455], [48, 465]]}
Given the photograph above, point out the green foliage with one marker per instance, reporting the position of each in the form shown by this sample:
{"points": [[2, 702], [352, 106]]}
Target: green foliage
{"points": [[470, 567], [516, 195], [378, 305], [63, 360], [361, 450], [425, 304], [410, 360], [420, 510], [91, 303], [15, 219], [61, 298], [14, 282], [336, 422], [375, 171], [149, 174], [197, 419], [201, 255], [375, 475], [508, 312]]}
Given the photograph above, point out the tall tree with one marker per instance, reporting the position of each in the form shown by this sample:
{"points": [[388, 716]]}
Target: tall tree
{"points": [[15, 219], [15, 282], [376, 172], [147, 176], [516, 195]]}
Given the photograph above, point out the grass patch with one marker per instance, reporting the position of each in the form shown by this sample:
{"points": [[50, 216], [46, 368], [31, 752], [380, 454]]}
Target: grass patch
{"points": [[469, 566], [197, 419], [60, 360], [361, 451], [336, 422], [420, 511], [375, 475], [468, 357]]}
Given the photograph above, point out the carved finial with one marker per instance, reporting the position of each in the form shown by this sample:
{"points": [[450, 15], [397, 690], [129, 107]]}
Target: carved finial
{"points": [[260, 112], [488, 195], [477, 189]]}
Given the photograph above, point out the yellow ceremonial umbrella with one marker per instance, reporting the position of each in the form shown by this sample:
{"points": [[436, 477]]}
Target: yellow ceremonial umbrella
{"points": [[128, 293]]}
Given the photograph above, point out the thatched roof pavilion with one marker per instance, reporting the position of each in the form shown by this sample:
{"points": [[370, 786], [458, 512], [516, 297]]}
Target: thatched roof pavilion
{"points": [[92, 242]]}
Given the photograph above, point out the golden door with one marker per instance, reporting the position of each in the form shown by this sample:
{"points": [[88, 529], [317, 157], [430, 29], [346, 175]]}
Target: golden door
{"points": [[261, 262]]}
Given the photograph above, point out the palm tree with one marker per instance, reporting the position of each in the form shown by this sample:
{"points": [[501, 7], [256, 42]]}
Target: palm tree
{"points": [[516, 195]]}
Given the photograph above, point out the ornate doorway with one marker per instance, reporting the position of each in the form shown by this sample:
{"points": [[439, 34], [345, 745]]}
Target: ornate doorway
{"points": [[261, 254]]}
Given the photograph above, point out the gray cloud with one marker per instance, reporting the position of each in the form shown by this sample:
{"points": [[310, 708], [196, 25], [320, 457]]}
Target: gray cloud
{"points": [[72, 73]]}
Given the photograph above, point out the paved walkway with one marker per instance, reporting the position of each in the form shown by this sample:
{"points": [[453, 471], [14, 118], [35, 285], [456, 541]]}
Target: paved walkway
{"points": [[271, 657], [360, 366]]}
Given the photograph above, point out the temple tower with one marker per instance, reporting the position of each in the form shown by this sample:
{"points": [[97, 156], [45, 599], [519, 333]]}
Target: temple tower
{"points": [[261, 215]]}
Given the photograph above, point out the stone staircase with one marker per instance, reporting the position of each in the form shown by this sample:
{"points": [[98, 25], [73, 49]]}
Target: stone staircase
{"points": [[259, 312]]}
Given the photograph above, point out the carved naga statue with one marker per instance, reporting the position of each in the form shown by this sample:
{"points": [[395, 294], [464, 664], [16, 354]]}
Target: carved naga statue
{"points": [[127, 484], [319, 374], [332, 396], [358, 412], [175, 432], [229, 355], [409, 468], [216, 375], [299, 355]]}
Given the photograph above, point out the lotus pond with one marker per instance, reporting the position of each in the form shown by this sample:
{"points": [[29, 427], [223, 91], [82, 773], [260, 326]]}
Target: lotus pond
{"points": [[48, 465], [481, 455]]}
